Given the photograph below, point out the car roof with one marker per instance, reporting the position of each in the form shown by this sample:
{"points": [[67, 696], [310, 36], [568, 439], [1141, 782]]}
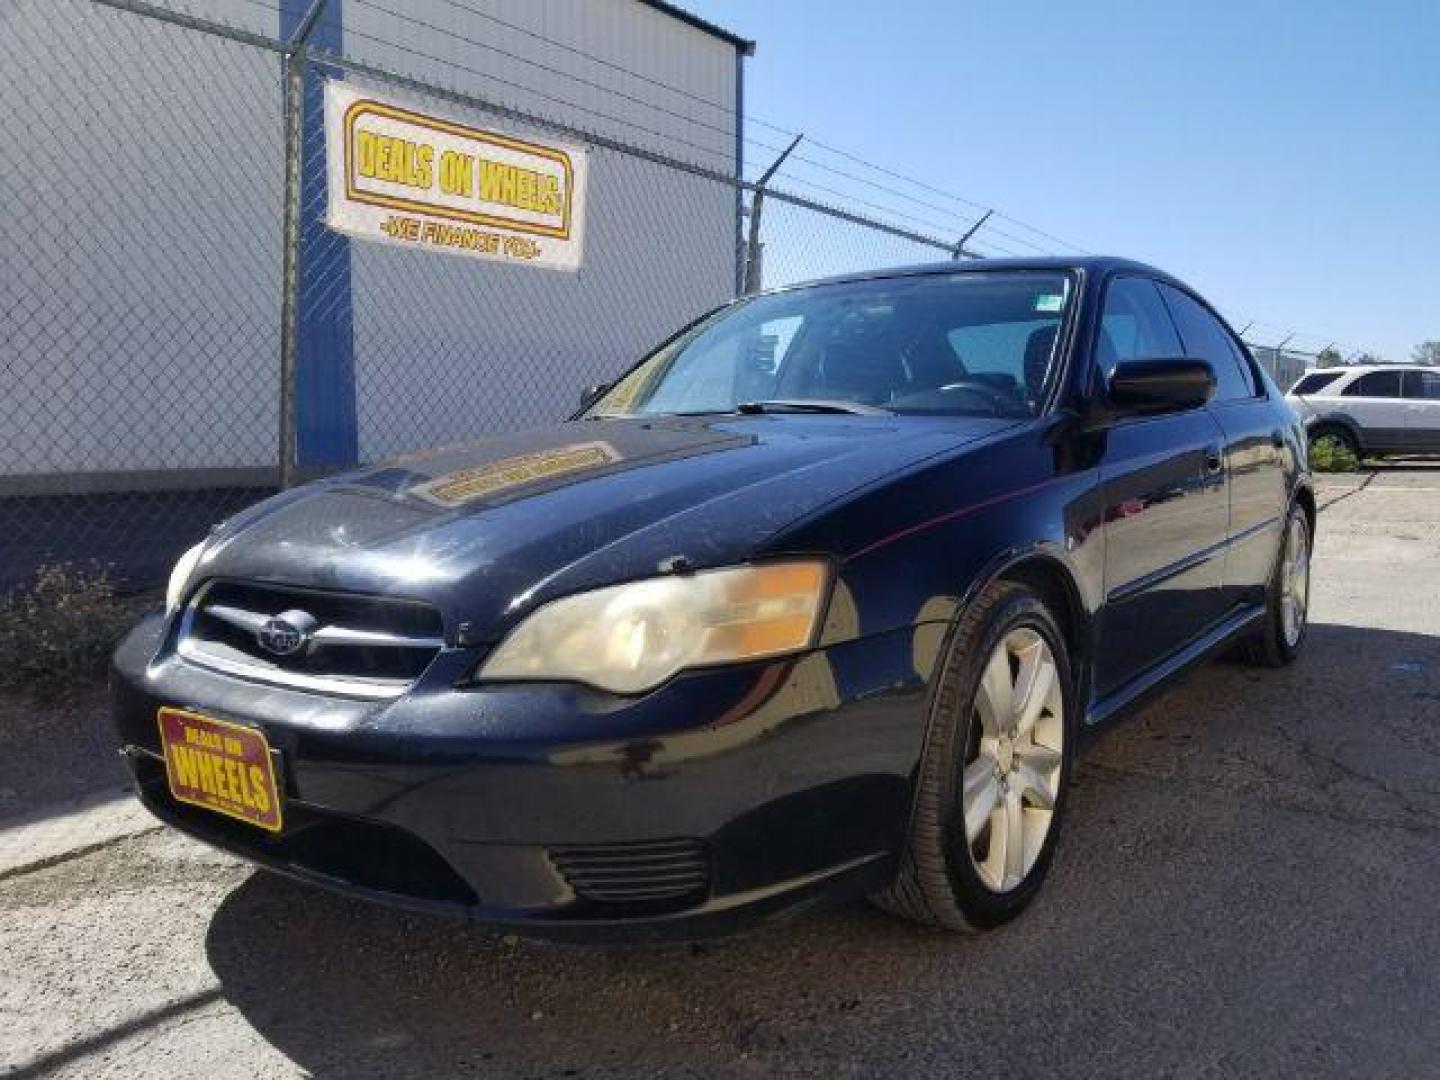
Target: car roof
{"points": [[1094, 264], [1360, 369]]}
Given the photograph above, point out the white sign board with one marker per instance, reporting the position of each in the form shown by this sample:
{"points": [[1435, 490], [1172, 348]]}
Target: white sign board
{"points": [[428, 182]]}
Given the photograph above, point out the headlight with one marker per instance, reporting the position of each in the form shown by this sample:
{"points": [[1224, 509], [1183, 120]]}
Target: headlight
{"points": [[629, 638], [180, 577]]}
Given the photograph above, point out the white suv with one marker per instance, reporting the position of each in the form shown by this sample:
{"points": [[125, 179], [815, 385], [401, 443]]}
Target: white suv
{"points": [[1373, 409]]}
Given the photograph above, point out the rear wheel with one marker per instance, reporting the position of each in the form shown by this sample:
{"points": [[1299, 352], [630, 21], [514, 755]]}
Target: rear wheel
{"points": [[1338, 436], [1287, 607], [992, 781]]}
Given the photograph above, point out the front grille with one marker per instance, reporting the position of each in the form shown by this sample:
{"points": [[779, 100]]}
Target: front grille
{"points": [[645, 872], [364, 646]]}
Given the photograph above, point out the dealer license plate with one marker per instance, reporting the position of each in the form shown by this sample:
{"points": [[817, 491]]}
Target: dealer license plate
{"points": [[224, 767]]}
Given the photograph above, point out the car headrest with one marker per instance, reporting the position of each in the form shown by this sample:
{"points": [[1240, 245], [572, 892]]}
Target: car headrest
{"points": [[863, 372]]}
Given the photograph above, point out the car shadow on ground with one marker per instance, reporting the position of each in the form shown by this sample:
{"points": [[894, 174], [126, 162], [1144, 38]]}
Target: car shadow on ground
{"points": [[1214, 819]]}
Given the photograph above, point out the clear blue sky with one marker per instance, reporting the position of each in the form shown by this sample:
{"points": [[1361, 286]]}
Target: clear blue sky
{"points": [[1283, 158]]}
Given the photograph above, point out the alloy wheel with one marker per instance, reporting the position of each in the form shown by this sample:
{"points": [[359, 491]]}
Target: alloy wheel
{"points": [[1011, 779], [1295, 581]]}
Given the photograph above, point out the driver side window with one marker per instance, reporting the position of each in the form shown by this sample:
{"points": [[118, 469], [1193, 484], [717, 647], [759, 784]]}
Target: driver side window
{"points": [[1134, 325]]}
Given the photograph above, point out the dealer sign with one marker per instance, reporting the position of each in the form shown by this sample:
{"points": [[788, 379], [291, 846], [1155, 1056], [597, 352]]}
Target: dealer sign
{"points": [[406, 177]]}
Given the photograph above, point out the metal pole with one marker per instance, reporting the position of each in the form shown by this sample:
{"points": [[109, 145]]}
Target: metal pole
{"points": [[740, 249], [290, 270], [757, 204], [960, 252]]}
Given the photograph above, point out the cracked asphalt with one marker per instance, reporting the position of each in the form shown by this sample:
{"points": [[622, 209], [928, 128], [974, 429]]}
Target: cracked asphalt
{"points": [[1248, 885]]}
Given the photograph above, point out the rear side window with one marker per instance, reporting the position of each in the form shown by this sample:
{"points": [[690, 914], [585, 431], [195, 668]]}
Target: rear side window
{"points": [[1375, 384], [1423, 384], [1206, 339], [1315, 382], [1134, 325]]}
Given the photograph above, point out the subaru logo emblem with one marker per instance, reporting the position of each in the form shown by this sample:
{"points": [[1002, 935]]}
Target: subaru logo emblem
{"points": [[286, 634]]}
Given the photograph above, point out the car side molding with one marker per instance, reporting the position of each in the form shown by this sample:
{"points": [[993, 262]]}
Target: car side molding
{"points": [[1150, 682]]}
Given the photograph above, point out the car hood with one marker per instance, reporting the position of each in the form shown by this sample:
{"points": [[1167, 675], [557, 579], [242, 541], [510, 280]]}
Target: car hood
{"points": [[489, 530]]}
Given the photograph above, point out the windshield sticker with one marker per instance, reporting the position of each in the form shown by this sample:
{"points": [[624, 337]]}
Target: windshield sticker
{"points": [[1049, 302], [467, 485]]}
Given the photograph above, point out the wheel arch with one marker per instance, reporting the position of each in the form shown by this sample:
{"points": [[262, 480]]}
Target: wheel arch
{"points": [[1052, 581], [1305, 498], [1050, 576], [1337, 420]]}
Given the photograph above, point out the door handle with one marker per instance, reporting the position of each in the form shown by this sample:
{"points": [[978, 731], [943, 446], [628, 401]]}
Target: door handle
{"points": [[1213, 461], [1277, 438]]}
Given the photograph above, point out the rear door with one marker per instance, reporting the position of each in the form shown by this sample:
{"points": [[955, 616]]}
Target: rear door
{"points": [[1422, 410], [1166, 508], [1375, 402], [1254, 439]]}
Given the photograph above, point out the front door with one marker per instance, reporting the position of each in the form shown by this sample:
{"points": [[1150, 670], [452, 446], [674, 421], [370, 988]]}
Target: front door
{"points": [[1253, 440], [1166, 513], [1166, 505]]}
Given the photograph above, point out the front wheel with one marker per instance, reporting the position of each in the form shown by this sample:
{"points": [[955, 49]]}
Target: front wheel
{"points": [[1287, 605], [990, 792]]}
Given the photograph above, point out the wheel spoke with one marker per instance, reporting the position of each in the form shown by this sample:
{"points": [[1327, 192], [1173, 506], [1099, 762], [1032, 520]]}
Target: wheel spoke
{"points": [[1037, 679], [1040, 758], [995, 697], [1030, 781], [1037, 825], [1014, 858], [978, 796]]}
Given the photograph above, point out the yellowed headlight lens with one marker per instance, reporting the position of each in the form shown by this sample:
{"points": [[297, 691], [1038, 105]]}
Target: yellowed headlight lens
{"points": [[766, 611], [630, 638]]}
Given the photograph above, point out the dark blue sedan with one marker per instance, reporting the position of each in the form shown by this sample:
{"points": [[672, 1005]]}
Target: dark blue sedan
{"points": [[817, 601]]}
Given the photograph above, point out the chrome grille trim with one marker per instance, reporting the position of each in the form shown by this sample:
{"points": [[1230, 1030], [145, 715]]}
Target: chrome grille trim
{"points": [[411, 652], [345, 687], [326, 635]]}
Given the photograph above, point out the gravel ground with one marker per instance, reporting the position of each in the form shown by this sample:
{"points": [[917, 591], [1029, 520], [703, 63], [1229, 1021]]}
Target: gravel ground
{"points": [[1247, 886]]}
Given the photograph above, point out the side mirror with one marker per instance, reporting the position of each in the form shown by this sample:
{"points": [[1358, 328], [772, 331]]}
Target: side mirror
{"points": [[591, 394], [1159, 385]]}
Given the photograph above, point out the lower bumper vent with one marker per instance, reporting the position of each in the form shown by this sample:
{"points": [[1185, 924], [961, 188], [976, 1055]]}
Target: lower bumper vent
{"points": [[640, 872]]}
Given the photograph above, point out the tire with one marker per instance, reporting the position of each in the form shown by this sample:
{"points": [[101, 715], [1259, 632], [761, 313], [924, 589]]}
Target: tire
{"points": [[1341, 435], [1278, 643], [941, 880]]}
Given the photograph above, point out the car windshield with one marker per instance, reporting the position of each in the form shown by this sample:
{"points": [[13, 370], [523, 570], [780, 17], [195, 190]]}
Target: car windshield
{"points": [[975, 344]]}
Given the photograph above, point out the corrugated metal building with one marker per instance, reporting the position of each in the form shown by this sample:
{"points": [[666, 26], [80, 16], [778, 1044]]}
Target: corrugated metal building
{"points": [[139, 333]]}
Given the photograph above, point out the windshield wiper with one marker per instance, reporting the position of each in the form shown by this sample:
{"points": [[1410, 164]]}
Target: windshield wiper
{"points": [[853, 408]]}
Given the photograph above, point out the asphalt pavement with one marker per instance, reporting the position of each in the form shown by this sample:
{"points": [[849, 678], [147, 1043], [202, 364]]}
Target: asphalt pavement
{"points": [[1248, 885]]}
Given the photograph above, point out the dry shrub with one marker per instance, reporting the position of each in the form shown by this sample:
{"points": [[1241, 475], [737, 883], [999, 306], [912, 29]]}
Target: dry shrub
{"points": [[60, 629]]}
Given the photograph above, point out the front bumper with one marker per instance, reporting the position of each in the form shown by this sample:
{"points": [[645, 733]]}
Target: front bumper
{"points": [[722, 797]]}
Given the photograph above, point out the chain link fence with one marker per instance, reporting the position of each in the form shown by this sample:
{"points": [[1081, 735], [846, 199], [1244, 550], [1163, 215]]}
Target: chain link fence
{"points": [[1284, 365], [131, 370], [144, 391], [148, 387]]}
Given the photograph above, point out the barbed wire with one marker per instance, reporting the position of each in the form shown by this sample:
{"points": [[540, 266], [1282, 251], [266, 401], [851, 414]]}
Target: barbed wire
{"points": [[931, 217]]}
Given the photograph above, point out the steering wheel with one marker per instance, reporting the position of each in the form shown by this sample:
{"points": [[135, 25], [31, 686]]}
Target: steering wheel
{"points": [[992, 396]]}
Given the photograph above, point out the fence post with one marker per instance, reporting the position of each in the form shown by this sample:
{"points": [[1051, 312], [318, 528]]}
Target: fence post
{"points": [[959, 251], [757, 203], [290, 272]]}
